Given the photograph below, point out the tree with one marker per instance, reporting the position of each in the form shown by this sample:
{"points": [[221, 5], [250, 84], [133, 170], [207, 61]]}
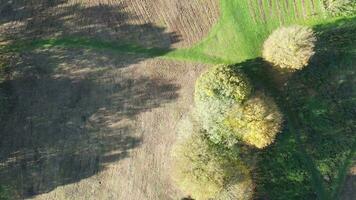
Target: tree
{"points": [[290, 47], [257, 121], [206, 171], [216, 91]]}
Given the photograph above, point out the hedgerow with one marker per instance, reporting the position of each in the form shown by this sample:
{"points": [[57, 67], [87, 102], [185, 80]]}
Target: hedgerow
{"points": [[229, 114], [228, 120]]}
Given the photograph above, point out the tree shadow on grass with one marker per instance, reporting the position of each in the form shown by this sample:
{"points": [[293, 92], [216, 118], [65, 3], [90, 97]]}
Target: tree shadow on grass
{"points": [[69, 113], [279, 173], [322, 99]]}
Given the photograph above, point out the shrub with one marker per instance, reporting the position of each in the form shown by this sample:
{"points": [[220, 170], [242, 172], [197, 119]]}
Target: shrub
{"points": [[216, 91], [212, 113], [205, 172], [222, 82], [290, 47], [340, 7], [256, 122]]}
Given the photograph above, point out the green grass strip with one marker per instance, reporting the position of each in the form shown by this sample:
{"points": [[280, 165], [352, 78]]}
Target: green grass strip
{"points": [[71, 42], [88, 43]]}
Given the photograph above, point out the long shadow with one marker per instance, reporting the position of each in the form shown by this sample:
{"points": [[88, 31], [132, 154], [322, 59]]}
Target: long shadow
{"points": [[60, 23], [39, 19], [327, 108], [18, 10], [280, 171], [68, 114], [310, 160], [101, 27], [348, 191]]}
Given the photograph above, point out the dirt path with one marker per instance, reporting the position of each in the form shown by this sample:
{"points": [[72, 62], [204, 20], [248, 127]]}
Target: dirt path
{"points": [[97, 125]]}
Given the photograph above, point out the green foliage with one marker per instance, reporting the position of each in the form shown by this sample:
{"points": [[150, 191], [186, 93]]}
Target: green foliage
{"points": [[222, 82], [206, 171], [290, 47], [226, 113], [212, 114], [256, 122], [216, 91], [340, 7]]}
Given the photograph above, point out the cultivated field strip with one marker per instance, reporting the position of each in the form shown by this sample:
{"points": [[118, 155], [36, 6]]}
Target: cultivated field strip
{"points": [[263, 11], [184, 22], [187, 19]]}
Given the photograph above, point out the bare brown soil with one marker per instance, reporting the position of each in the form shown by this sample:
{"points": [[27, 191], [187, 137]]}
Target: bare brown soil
{"points": [[87, 124]]}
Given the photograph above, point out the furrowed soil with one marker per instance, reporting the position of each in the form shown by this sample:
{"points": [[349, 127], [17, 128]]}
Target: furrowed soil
{"points": [[85, 124]]}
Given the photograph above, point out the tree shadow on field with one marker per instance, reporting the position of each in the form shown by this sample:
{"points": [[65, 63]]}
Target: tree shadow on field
{"points": [[18, 10], [69, 113], [47, 19], [59, 129], [322, 98]]}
